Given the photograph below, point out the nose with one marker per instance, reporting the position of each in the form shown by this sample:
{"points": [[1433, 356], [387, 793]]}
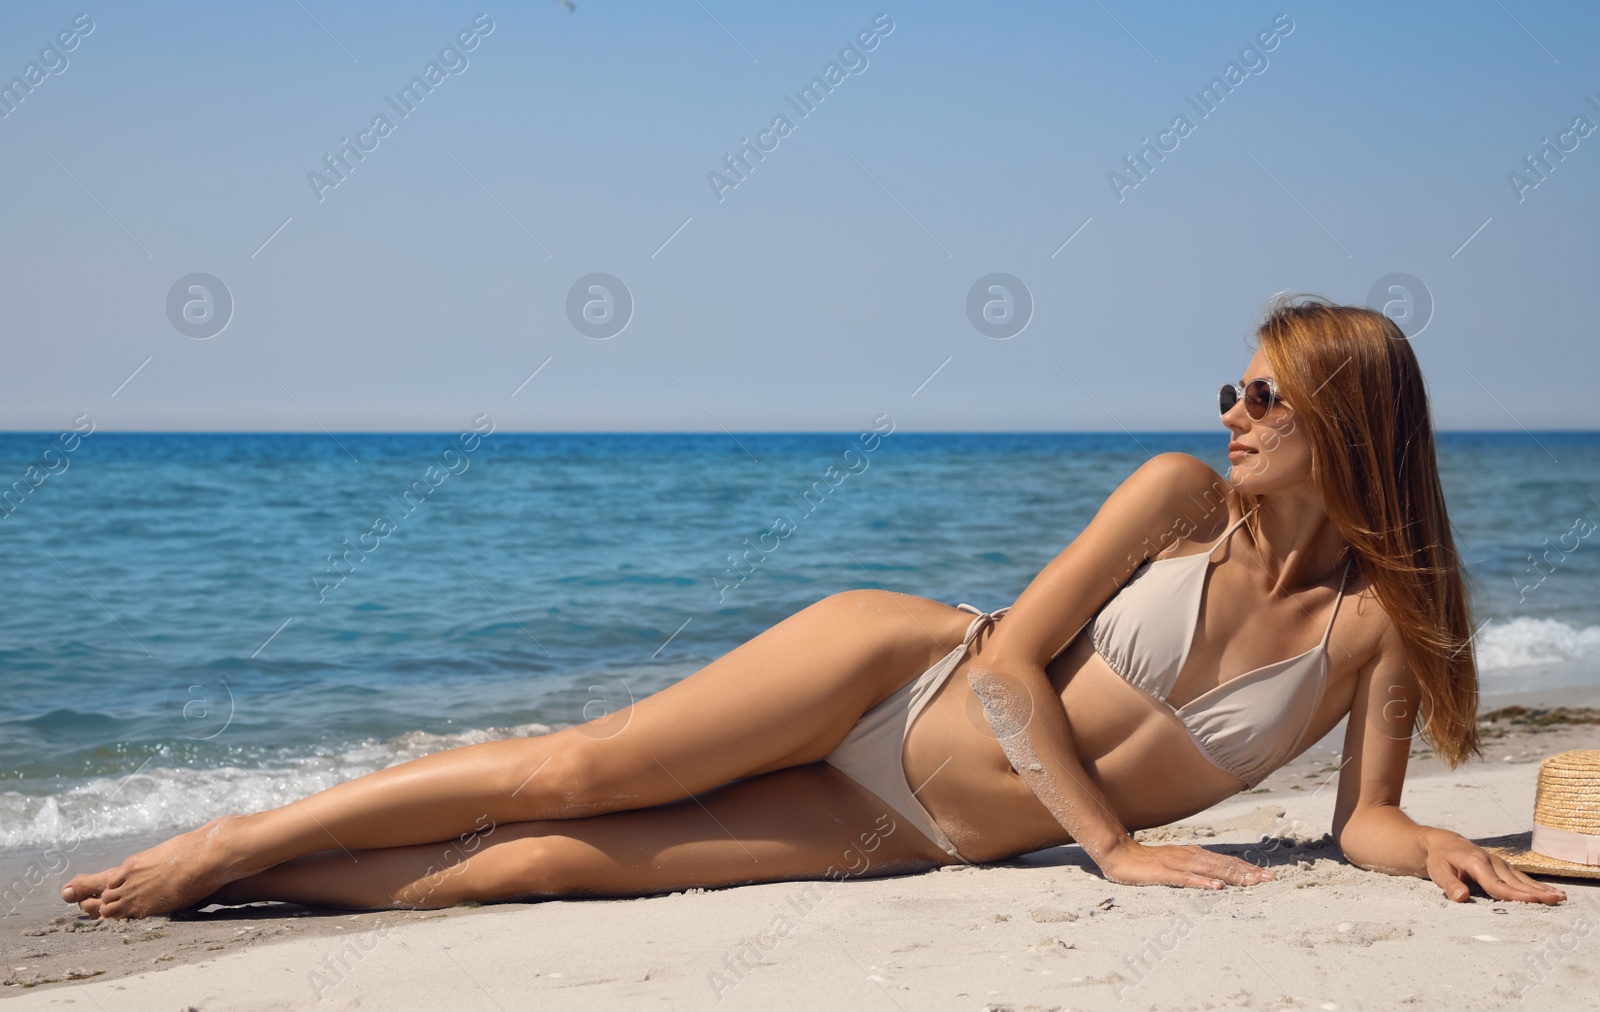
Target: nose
{"points": [[1236, 418]]}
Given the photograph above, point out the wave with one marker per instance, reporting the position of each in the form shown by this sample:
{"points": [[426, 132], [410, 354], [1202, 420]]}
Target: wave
{"points": [[1522, 641], [157, 799]]}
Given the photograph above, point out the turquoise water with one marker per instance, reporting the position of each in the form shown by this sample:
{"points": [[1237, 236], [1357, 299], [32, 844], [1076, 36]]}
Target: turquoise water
{"points": [[176, 642]]}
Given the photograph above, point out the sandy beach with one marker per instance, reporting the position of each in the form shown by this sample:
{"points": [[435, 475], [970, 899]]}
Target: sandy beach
{"points": [[1043, 931]]}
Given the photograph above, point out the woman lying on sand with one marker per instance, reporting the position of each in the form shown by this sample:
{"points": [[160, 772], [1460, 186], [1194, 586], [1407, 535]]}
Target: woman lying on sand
{"points": [[911, 734]]}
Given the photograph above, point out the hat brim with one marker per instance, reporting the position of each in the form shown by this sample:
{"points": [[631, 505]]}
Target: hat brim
{"points": [[1515, 850]]}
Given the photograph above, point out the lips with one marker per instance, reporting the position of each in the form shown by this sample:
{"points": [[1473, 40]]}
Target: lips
{"points": [[1239, 448]]}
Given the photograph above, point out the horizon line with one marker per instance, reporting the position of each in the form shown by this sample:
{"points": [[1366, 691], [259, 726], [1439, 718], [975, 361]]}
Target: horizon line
{"points": [[724, 433]]}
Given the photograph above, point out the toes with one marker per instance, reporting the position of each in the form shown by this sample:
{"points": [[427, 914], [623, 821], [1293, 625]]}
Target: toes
{"points": [[118, 904], [81, 887], [90, 906]]}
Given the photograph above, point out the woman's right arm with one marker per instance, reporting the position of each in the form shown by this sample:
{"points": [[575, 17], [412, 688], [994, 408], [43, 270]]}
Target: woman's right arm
{"points": [[1144, 515]]}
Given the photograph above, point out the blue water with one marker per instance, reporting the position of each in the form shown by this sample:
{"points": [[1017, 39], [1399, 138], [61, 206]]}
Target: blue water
{"points": [[148, 679]]}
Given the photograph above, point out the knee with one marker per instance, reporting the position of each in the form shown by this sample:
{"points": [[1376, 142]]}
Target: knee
{"points": [[562, 780], [530, 867], [491, 870], [432, 891], [880, 626]]}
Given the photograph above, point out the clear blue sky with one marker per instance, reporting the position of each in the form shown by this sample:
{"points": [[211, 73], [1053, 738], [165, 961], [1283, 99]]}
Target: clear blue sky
{"points": [[831, 282]]}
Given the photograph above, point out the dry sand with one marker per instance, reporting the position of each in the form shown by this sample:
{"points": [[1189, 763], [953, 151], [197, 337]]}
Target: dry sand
{"points": [[1044, 931]]}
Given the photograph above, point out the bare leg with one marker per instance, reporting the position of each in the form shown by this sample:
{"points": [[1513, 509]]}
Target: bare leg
{"points": [[786, 697], [792, 824]]}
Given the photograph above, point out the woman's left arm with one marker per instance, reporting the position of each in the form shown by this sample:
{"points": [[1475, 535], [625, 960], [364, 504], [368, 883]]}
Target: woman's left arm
{"points": [[1368, 824]]}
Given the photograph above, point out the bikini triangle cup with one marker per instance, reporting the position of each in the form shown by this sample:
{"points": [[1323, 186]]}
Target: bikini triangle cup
{"points": [[1248, 725]]}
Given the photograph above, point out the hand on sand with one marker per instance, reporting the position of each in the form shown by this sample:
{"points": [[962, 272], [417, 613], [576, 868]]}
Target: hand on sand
{"points": [[169, 876], [1452, 858], [1134, 863]]}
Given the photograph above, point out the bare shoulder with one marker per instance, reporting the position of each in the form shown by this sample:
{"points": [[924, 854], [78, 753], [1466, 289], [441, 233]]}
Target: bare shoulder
{"points": [[1181, 470], [1136, 520], [1152, 508], [1188, 499], [1377, 631], [1174, 478]]}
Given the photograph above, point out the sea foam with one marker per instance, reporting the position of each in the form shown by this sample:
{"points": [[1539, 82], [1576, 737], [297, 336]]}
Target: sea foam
{"points": [[1522, 641], [161, 799]]}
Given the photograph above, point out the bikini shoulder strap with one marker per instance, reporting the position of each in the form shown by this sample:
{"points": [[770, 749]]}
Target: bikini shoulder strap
{"points": [[1225, 534], [1342, 580]]}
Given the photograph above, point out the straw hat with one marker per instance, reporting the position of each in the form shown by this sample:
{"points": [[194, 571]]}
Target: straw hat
{"points": [[1566, 820]]}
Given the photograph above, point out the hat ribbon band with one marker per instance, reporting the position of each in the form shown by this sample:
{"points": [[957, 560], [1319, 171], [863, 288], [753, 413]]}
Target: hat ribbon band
{"points": [[1565, 845]]}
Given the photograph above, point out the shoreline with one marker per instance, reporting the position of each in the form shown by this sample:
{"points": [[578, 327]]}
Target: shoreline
{"points": [[296, 954]]}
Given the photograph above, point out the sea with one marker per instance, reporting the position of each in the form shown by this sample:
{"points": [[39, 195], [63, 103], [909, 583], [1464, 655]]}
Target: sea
{"points": [[196, 624]]}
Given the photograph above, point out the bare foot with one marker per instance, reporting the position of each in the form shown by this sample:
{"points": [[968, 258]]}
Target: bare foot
{"points": [[86, 886], [167, 877]]}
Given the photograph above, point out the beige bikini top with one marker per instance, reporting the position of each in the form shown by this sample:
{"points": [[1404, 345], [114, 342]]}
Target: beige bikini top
{"points": [[1247, 726]]}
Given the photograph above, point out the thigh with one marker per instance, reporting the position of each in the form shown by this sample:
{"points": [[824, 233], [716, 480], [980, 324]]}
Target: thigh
{"points": [[784, 698], [805, 822]]}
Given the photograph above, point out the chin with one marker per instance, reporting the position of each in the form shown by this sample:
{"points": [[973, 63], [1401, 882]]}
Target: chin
{"points": [[1245, 479]]}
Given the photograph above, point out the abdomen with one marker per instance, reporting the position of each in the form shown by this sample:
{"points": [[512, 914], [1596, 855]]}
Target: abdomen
{"points": [[1130, 745]]}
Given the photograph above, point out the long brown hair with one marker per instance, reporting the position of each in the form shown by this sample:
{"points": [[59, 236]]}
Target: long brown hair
{"points": [[1363, 408]]}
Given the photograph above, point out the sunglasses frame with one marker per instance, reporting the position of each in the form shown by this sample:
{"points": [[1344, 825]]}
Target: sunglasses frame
{"points": [[1274, 398]]}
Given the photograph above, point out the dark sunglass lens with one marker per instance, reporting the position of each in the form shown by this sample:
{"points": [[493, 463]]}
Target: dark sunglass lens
{"points": [[1227, 397], [1258, 398]]}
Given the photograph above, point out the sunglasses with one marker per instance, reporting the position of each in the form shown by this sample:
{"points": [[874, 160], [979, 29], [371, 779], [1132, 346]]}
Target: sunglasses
{"points": [[1260, 396]]}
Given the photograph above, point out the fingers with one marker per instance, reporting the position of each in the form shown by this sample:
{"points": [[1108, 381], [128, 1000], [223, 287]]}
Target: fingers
{"points": [[1495, 877], [1558, 895], [1504, 882], [1165, 875], [1182, 879], [1518, 877], [1445, 877], [1211, 867], [1228, 869], [1193, 881], [1186, 866], [1249, 876], [1245, 873]]}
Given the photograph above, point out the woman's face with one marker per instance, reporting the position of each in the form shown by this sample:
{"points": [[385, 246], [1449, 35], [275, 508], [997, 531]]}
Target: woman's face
{"points": [[1265, 454]]}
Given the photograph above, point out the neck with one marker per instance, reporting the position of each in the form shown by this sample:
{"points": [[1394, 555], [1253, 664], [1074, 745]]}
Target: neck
{"points": [[1298, 545]]}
